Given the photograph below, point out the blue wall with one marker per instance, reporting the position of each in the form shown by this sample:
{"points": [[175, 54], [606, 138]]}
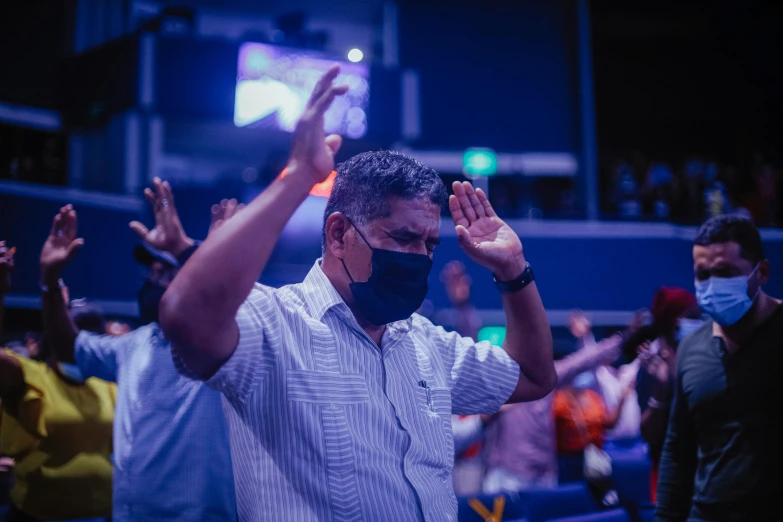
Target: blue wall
{"points": [[592, 266]]}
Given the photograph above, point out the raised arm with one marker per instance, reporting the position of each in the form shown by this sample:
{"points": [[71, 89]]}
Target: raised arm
{"points": [[6, 267], [58, 250], [655, 413], [11, 376], [490, 242], [613, 417], [198, 311], [589, 357]]}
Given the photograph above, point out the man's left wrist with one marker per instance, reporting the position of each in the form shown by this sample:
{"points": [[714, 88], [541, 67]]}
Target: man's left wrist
{"points": [[510, 271]]}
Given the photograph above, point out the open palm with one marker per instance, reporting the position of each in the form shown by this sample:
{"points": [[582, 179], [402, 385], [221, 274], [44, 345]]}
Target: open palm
{"points": [[312, 150], [167, 234], [486, 238], [62, 244]]}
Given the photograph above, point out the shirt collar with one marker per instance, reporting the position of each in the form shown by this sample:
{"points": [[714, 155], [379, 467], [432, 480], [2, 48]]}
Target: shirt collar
{"points": [[319, 293], [321, 296]]}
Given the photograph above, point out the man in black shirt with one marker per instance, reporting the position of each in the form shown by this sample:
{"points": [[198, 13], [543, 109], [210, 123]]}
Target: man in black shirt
{"points": [[722, 456]]}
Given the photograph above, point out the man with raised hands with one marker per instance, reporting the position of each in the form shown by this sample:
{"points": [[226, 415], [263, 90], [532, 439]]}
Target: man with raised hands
{"points": [[339, 396], [171, 452]]}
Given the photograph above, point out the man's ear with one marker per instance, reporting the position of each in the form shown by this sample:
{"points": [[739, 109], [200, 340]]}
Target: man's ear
{"points": [[763, 272], [336, 227]]}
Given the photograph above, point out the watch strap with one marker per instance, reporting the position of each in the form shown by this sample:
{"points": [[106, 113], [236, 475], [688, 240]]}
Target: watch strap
{"points": [[45, 288], [518, 283]]}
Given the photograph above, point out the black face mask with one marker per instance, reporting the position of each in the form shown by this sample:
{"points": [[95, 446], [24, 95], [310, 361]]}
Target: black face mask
{"points": [[396, 287], [149, 300]]}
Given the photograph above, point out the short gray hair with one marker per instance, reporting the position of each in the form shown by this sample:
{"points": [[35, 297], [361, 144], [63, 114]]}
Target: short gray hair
{"points": [[364, 184]]}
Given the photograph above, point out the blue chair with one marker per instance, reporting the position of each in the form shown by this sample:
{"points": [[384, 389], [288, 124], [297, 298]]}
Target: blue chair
{"points": [[563, 501], [630, 445], [614, 515], [631, 478], [570, 468], [647, 515], [512, 510]]}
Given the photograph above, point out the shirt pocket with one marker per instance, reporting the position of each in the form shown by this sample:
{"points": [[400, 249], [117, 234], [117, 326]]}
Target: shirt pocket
{"points": [[436, 406], [327, 388], [441, 402]]}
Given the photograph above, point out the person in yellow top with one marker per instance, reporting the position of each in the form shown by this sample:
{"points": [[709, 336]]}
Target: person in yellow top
{"points": [[58, 429]]}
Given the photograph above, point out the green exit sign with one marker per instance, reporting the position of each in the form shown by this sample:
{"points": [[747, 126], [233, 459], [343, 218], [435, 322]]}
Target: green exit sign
{"points": [[494, 334], [479, 162]]}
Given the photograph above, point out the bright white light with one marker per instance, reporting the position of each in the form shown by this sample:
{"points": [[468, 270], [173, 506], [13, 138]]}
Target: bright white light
{"points": [[355, 55]]}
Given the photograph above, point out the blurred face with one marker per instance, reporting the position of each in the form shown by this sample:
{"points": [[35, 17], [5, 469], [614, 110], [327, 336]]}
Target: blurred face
{"points": [[411, 226], [117, 328], [158, 279], [160, 274], [723, 260]]}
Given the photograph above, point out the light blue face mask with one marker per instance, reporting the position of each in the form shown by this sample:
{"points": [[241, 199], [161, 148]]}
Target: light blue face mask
{"points": [[725, 299], [71, 371], [687, 326]]}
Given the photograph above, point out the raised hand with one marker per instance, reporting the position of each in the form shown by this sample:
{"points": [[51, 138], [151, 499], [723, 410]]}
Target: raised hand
{"points": [[637, 321], [654, 364], [312, 152], [6, 266], [457, 282], [579, 325], [61, 245], [222, 212], [168, 234], [486, 238]]}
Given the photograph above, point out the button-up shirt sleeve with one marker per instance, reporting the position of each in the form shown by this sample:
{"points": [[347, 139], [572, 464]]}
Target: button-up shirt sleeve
{"points": [[257, 319], [97, 355], [481, 376]]}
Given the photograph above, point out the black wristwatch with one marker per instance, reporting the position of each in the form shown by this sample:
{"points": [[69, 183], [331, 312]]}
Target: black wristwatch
{"points": [[516, 284], [183, 257]]}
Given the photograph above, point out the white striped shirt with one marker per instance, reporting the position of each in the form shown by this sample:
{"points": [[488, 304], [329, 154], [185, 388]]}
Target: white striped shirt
{"points": [[325, 425]]}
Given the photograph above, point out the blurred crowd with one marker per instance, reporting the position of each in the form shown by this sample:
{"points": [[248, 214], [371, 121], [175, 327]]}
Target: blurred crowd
{"points": [[60, 454], [605, 394], [613, 392], [694, 190], [101, 421]]}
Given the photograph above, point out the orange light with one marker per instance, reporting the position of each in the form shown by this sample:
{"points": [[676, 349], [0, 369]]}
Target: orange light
{"points": [[323, 189]]}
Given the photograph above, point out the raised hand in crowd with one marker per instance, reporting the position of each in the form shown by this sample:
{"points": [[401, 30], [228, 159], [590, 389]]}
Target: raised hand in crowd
{"points": [[491, 243], [6, 266], [312, 151], [657, 366], [456, 282], [637, 321], [486, 238], [206, 329], [167, 234], [579, 325], [222, 212], [60, 247], [58, 251]]}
